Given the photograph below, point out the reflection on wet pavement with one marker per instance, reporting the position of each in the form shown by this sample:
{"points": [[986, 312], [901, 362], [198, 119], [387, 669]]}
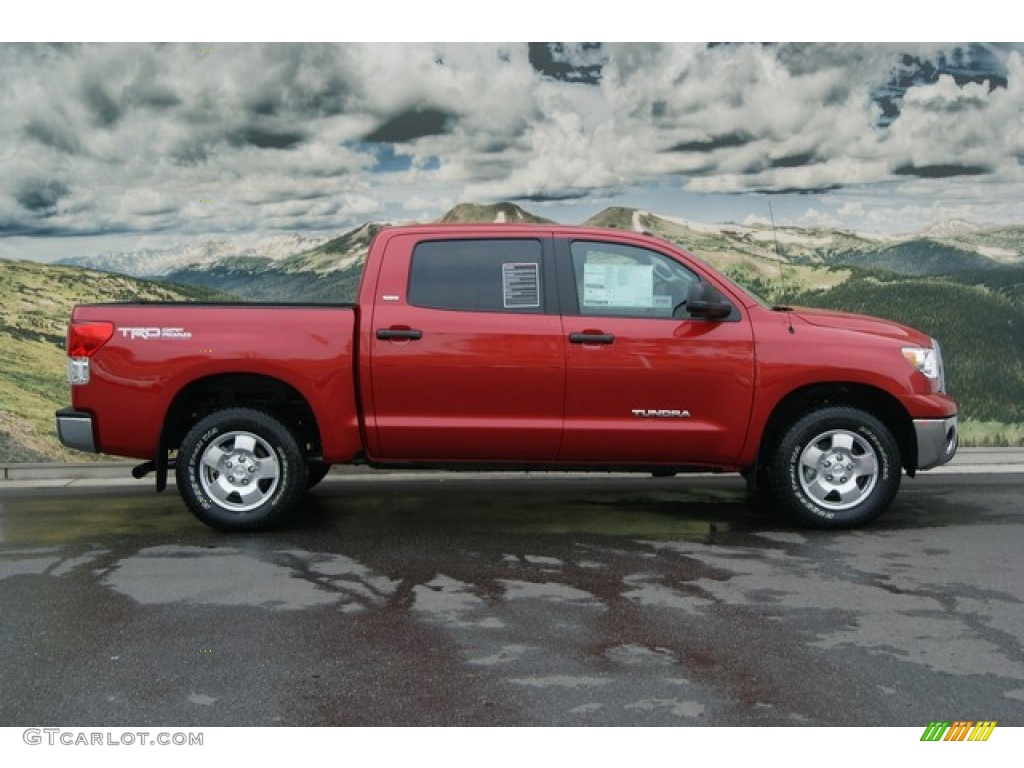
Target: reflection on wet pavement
{"points": [[626, 603]]}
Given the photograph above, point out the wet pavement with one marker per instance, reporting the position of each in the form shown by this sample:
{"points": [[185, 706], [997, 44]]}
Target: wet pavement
{"points": [[551, 600]]}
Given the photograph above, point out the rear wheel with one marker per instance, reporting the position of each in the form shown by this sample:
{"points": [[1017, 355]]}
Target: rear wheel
{"points": [[836, 468], [240, 469]]}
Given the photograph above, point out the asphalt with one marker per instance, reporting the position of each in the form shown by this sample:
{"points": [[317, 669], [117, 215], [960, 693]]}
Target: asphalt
{"points": [[111, 473], [503, 601]]}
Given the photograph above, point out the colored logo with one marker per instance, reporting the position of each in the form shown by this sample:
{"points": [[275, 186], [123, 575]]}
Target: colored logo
{"points": [[958, 730]]}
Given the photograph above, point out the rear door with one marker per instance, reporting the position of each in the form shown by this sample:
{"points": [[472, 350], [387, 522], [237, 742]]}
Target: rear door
{"points": [[645, 382], [467, 360]]}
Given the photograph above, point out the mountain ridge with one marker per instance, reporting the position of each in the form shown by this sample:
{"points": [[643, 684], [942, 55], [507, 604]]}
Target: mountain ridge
{"points": [[155, 262], [295, 252]]}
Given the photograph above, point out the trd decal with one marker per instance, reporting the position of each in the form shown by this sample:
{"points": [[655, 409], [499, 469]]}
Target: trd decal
{"points": [[147, 334]]}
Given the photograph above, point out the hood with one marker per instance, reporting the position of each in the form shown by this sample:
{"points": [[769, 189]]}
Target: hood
{"points": [[848, 321]]}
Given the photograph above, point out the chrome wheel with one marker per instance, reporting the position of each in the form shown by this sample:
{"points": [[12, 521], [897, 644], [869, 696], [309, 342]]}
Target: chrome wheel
{"points": [[838, 469], [239, 471], [835, 467]]}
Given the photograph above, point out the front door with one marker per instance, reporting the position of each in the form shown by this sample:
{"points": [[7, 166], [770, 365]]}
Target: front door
{"points": [[644, 381]]}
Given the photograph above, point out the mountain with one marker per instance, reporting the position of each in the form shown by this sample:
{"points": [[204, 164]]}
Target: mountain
{"points": [[35, 303], [328, 273], [156, 262], [294, 252], [338, 254], [783, 261], [773, 261], [499, 213], [917, 257]]}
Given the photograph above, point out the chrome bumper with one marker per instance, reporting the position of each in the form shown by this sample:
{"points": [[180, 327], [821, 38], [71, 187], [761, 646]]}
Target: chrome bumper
{"points": [[936, 441], [74, 429]]}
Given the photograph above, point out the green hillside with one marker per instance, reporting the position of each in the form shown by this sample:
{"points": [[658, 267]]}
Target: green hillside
{"points": [[1007, 281], [915, 257], [980, 329], [35, 304]]}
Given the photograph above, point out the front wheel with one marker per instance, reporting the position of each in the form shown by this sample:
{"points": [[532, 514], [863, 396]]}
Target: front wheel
{"points": [[240, 469], [836, 468]]}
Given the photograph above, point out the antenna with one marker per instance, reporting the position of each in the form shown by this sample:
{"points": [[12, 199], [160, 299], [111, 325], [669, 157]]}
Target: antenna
{"points": [[778, 255]]}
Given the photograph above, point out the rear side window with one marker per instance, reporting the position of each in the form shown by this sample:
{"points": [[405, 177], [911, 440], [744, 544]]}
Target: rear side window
{"points": [[477, 275]]}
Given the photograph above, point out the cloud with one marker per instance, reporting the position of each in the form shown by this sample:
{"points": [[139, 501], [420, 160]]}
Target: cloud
{"points": [[265, 138], [412, 124], [130, 137], [41, 197], [945, 126], [579, 63], [942, 170]]}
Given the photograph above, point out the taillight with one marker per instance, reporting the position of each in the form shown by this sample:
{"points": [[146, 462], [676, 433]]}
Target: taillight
{"points": [[84, 338]]}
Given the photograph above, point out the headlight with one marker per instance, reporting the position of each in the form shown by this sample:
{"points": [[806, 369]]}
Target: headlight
{"points": [[928, 360]]}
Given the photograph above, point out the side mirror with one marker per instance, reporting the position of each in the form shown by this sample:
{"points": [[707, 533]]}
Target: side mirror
{"points": [[703, 300]]}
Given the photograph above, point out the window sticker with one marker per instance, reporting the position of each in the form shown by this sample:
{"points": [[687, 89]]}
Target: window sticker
{"points": [[626, 286], [520, 284]]}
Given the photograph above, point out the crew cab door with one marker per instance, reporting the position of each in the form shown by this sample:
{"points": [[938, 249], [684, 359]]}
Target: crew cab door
{"points": [[645, 381], [466, 354]]}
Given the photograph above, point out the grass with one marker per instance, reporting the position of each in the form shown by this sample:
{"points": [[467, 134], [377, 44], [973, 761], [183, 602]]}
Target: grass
{"points": [[990, 434]]}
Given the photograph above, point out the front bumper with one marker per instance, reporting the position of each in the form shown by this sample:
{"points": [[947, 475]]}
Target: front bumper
{"points": [[936, 441], [74, 428]]}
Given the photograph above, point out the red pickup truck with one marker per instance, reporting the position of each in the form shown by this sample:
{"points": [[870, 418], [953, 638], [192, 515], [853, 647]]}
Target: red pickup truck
{"points": [[511, 347]]}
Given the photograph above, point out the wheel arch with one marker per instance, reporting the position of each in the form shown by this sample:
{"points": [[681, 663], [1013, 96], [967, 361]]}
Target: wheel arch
{"points": [[873, 400], [203, 396]]}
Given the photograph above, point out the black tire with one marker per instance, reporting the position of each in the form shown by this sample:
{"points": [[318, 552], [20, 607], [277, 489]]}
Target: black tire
{"points": [[240, 469], [836, 467], [315, 472]]}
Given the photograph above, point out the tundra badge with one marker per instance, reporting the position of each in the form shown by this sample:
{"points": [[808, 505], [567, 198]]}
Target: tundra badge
{"points": [[661, 413]]}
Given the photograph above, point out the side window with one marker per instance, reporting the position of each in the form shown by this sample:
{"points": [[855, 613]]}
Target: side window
{"points": [[627, 281], [477, 275]]}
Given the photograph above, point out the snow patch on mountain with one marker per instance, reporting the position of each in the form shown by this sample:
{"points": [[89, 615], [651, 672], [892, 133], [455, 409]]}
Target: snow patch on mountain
{"points": [[949, 228], [999, 254], [151, 262]]}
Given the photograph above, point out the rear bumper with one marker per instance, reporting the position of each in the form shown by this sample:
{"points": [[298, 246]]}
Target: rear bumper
{"points": [[74, 428], [936, 441]]}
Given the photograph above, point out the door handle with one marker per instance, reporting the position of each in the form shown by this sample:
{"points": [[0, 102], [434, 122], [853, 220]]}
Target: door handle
{"points": [[399, 334], [591, 338]]}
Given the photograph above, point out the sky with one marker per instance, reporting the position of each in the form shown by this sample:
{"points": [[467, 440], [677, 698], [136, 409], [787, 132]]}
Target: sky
{"points": [[123, 146]]}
